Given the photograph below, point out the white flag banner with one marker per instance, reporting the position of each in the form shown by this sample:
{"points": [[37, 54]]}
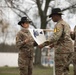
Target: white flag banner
{"points": [[38, 35]]}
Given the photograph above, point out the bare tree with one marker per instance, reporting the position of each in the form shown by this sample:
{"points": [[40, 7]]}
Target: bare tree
{"points": [[3, 27], [71, 7], [42, 7]]}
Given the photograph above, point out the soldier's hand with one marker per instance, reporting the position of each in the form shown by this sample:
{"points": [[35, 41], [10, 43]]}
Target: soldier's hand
{"points": [[51, 45], [40, 46], [71, 32], [27, 40]]}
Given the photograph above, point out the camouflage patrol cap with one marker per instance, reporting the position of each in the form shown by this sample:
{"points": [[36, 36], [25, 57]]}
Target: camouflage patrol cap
{"points": [[24, 20], [56, 11]]}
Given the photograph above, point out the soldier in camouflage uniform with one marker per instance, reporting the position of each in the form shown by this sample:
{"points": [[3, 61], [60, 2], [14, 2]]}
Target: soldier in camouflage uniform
{"points": [[61, 41], [25, 44], [73, 36]]}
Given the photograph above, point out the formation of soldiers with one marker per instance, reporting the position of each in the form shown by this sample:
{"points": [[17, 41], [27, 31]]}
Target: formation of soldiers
{"points": [[61, 41]]}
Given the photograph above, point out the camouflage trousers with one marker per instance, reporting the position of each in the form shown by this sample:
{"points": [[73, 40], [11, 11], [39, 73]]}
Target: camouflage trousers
{"points": [[60, 62], [25, 66], [62, 57], [74, 62]]}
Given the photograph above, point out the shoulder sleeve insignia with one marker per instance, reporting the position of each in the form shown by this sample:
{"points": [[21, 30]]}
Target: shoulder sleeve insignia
{"points": [[56, 30]]}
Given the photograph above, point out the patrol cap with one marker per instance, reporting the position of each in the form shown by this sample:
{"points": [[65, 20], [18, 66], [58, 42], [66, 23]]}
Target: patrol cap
{"points": [[24, 20], [56, 11]]}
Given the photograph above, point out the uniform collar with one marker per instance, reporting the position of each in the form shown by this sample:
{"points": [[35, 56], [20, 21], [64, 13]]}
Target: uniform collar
{"points": [[25, 30], [60, 20]]}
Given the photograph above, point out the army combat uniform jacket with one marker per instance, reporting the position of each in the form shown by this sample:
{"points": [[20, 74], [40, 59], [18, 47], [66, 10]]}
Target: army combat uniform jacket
{"points": [[25, 59], [63, 46], [20, 42]]}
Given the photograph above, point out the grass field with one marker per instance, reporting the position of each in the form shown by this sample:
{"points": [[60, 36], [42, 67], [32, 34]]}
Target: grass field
{"points": [[38, 70]]}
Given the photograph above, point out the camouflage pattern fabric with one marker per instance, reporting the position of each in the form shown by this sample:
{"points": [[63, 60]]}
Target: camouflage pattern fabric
{"points": [[73, 36], [25, 59], [63, 46]]}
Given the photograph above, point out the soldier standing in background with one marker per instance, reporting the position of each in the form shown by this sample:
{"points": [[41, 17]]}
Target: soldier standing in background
{"points": [[25, 44], [73, 36], [61, 41]]}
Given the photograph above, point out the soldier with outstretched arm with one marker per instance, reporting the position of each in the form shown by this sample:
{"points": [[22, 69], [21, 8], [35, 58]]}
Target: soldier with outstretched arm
{"points": [[61, 41]]}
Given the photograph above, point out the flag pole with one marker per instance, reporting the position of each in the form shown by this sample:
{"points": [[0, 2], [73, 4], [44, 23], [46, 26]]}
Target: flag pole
{"points": [[54, 63], [56, 3]]}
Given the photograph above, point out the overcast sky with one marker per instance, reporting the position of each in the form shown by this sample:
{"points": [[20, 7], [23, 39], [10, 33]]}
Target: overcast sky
{"points": [[12, 18]]}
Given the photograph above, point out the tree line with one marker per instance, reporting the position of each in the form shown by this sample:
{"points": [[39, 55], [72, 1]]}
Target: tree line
{"points": [[8, 48]]}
